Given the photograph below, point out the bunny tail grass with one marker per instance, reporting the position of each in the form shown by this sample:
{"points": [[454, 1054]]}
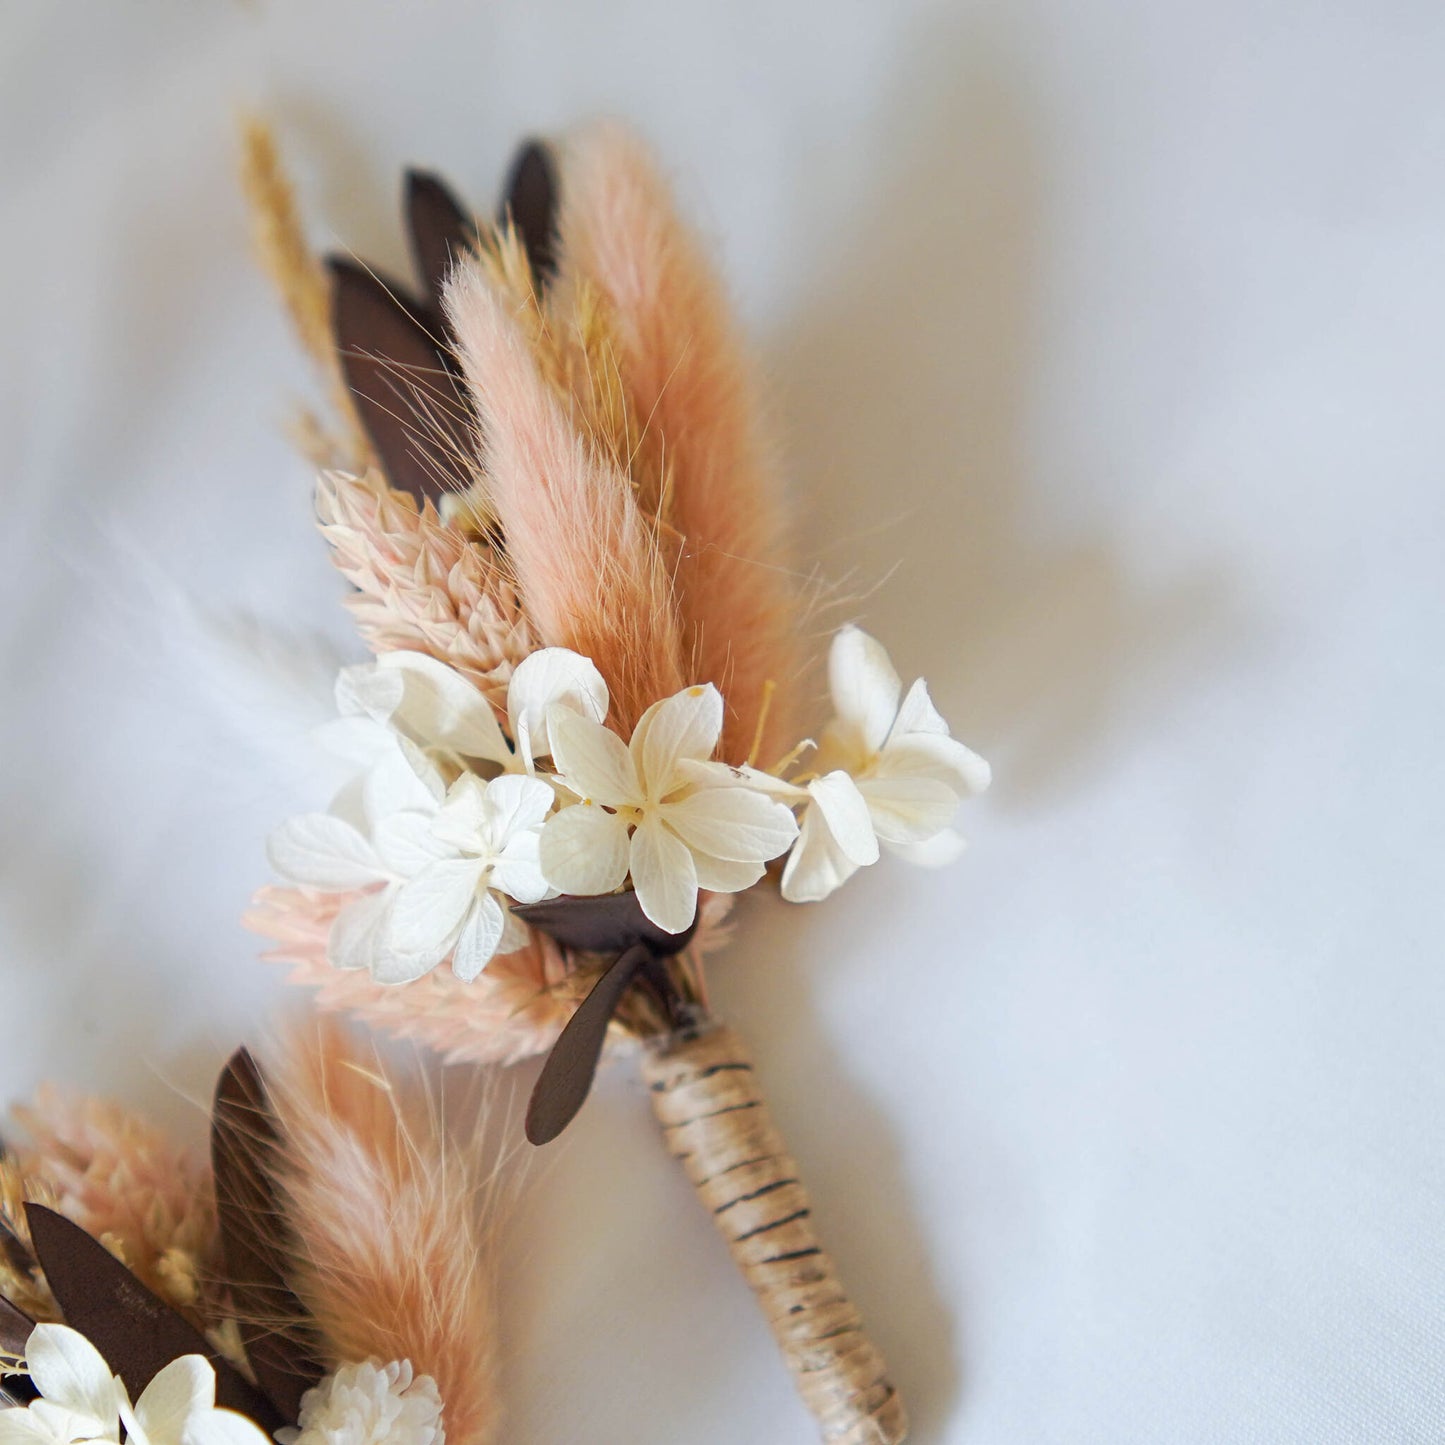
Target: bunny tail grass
{"points": [[691, 387], [717, 1125], [586, 561], [387, 1220]]}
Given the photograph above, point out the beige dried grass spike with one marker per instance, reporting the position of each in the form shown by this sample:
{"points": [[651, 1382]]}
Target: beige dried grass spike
{"points": [[389, 1222], [585, 559], [691, 386], [422, 584], [300, 281]]}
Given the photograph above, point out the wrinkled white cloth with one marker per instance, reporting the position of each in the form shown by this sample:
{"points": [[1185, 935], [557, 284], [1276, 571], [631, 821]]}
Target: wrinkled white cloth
{"points": [[1118, 328]]}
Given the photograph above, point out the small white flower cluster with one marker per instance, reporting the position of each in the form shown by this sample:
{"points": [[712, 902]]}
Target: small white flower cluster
{"points": [[80, 1400], [450, 819], [371, 1404]]}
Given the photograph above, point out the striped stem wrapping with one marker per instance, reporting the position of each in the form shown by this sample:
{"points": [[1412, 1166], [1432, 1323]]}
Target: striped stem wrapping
{"points": [[716, 1122]]}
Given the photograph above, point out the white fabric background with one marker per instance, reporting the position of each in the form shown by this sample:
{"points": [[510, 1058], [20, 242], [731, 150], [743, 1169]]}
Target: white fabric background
{"points": [[1107, 344]]}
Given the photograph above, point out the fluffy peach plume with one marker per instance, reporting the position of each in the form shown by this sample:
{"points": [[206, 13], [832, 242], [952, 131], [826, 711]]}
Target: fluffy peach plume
{"points": [[388, 1222], [690, 383], [125, 1183], [585, 559], [516, 1008], [422, 584]]}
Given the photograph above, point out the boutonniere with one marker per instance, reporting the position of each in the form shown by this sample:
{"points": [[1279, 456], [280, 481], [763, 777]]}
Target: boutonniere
{"points": [[582, 733]]}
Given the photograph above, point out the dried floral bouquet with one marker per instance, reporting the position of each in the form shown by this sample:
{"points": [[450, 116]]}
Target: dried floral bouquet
{"points": [[547, 481]]}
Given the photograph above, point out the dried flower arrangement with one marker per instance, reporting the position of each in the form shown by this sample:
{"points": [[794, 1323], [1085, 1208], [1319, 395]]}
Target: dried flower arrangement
{"points": [[325, 1281], [548, 484]]}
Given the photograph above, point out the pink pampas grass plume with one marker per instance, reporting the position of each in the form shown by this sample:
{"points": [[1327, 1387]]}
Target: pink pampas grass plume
{"points": [[585, 559], [690, 382], [515, 1009], [388, 1222]]}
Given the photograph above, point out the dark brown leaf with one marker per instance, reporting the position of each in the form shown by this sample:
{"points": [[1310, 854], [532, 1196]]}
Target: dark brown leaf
{"points": [[15, 1327], [136, 1332], [392, 354], [566, 1078], [440, 231], [608, 924], [274, 1324], [530, 199]]}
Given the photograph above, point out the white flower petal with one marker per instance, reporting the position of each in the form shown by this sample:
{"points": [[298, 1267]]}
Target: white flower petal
{"points": [[407, 842], [917, 714], [908, 810], [515, 934], [430, 907], [935, 852], [368, 691], [551, 676], [723, 875], [21, 1426], [357, 931], [864, 686], [70, 1372], [179, 1390], [725, 775], [584, 850], [479, 938], [845, 810], [463, 822], [816, 866], [732, 823], [403, 778], [319, 851], [593, 760], [390, 966], [517, 804], [517, 871], [664, 875], [686, 725], [439, 707], [224, 1427], [929, 755]]}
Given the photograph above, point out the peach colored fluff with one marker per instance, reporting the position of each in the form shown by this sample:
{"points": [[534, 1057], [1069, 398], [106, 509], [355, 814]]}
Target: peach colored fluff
{"points": [[585, 559], [388, 1222], [690, 381]]}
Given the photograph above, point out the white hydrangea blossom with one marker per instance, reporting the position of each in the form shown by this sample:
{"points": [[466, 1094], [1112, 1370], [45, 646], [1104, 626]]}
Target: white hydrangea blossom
{"points": [[371, 1404], [482, 847], [411, 725], [887, 773], [450, 819], [80, 1400], [646, 811]]}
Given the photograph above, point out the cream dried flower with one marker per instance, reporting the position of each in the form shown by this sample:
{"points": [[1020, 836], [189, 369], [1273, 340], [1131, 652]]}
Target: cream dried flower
{"points": [[371, 1404], [422, 585], [644, 812], [79, 1399]]}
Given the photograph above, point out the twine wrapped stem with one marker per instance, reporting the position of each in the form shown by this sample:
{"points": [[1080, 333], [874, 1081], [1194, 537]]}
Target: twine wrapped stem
{"points": [[717, 1125]]}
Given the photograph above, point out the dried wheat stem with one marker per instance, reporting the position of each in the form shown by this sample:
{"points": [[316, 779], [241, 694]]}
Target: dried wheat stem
{"points": [[717, 1124]]}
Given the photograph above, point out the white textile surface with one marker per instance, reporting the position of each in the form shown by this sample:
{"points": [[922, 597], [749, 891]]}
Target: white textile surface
{"points": [[1107, 343]]}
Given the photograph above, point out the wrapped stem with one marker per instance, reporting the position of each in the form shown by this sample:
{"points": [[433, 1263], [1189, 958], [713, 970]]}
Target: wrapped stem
{"points": [[717, 1125]]}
